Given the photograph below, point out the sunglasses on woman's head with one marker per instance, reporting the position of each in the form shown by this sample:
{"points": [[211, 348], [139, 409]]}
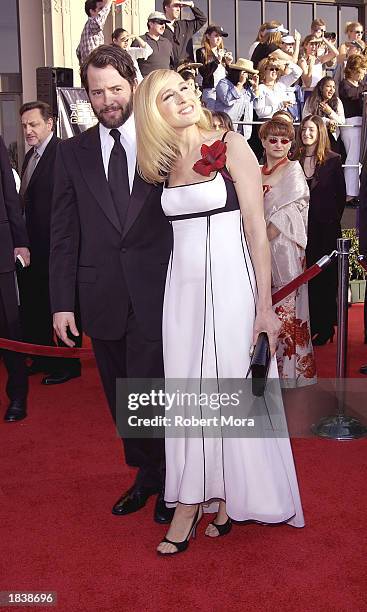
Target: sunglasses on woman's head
{"points": [[274, 140]]}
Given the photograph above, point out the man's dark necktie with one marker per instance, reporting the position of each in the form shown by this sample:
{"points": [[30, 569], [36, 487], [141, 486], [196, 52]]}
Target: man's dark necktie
{"points": [[118, 177], [31, 166]]}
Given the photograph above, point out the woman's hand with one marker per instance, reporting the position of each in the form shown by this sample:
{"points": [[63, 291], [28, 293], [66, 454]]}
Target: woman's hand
{"points": [[228, 58], [326, 108], [267, 321]]}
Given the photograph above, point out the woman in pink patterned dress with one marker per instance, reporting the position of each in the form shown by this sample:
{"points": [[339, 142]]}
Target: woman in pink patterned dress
{"points": [[286, 199]]}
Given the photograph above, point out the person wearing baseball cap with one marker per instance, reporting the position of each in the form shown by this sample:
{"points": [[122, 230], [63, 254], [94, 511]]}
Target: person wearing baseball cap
{"points": [[162, 56], [180, 31], [235, 94], [290, 45], [214, 59], [272, 41]]}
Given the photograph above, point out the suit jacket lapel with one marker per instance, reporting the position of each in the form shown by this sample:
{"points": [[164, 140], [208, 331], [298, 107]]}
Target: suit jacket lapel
{"points": [[139, 195], [89, 155]]}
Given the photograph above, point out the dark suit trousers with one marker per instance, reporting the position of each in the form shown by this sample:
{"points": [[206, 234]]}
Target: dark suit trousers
{"points": [[133, 356], [17, 384], [36, 317]]}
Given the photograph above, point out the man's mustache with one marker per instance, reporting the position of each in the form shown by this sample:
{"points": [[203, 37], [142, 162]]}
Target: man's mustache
{"points": [[113, 107]]}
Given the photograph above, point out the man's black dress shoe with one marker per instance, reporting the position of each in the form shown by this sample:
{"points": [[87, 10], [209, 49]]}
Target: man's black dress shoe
{"points": [[134, 499], [162, 514], [62, 376], [363, 369], [16, 411]]}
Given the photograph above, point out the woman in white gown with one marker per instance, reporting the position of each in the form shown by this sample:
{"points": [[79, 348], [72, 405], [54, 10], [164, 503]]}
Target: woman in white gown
{"points": [[213, 308]]}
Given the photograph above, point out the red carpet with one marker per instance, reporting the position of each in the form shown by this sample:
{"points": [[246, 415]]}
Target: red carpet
{"points": [[61, 471]]}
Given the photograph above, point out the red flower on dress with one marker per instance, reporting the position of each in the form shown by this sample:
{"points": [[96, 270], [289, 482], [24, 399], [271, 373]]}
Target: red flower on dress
{"points": [[213, 158]]}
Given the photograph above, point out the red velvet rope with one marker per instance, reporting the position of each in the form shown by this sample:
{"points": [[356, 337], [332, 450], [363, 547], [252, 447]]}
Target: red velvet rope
{"points": [[45, 351], [278, 296], [60, 351]]}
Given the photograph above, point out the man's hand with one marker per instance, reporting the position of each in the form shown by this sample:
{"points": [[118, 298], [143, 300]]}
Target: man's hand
{"points": [[63, 321], [185, 3], [24, 253]]}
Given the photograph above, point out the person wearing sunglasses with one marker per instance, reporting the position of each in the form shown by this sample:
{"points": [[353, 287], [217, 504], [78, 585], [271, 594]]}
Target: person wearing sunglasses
{"points": [[276, 77], [286, 198], [162, 55], [354, 32], [316, 53], [139, 49]]}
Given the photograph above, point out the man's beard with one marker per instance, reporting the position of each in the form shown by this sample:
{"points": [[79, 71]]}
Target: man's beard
{"points": [[120, 119]]}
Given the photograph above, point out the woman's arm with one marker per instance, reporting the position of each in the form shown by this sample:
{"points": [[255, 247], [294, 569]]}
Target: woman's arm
{"points": [[297, 38], [307, 70], [226, 93], [342, 53], [263, 105], [249, 192], [332, 52], [293, 75]]}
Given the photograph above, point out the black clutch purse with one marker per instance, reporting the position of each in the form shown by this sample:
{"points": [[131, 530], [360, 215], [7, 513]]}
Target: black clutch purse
{"points": [[259, 364]]}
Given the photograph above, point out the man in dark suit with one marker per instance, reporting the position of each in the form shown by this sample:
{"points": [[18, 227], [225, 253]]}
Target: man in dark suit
{"points": [[36, 192], [14, 243], [109, 235]]}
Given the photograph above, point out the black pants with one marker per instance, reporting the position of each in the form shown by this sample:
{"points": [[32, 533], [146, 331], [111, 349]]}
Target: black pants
{"points": [[133, 356], [37, 320], [322, 290], [17, 383]]}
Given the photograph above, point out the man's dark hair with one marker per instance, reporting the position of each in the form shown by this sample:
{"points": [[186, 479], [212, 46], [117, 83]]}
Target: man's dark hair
{"points": [[166, 3], [116, 33], [109, 55], [90, 5], [44, 108]]}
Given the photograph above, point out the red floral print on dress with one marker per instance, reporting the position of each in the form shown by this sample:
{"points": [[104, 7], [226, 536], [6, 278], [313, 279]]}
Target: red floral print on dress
{"points": [[306, 365], [213, 158]]}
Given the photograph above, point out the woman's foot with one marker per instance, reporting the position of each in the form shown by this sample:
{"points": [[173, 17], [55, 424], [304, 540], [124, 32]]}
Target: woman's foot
{"points": [[183, 526], [221, 525]]}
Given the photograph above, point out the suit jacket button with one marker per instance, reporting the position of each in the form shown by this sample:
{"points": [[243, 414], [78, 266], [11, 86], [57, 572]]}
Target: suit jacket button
{"points": [[123, 250]]}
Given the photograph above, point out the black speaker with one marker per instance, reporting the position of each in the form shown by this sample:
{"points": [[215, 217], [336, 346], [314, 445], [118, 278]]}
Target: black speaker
{"points": [[48, 79]]}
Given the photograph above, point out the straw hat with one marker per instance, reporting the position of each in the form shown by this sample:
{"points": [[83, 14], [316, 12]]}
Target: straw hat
{"points": [[243, 65], [192, 66]]}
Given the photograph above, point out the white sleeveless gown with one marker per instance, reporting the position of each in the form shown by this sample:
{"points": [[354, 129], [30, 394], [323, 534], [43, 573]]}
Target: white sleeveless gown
{"points": [[208, 315]]}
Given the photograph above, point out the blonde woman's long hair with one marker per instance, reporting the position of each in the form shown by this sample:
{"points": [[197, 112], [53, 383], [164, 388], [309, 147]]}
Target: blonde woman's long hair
{"points": [[157, 151], [207, 50]]}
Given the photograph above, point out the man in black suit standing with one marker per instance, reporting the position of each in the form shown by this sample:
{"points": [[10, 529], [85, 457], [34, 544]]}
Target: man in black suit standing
{"points": [[37, 181], [14, 243], [109, 235]]}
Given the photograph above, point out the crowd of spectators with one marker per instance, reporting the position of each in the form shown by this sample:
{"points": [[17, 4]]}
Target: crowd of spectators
{"points": [[282, 77]]}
